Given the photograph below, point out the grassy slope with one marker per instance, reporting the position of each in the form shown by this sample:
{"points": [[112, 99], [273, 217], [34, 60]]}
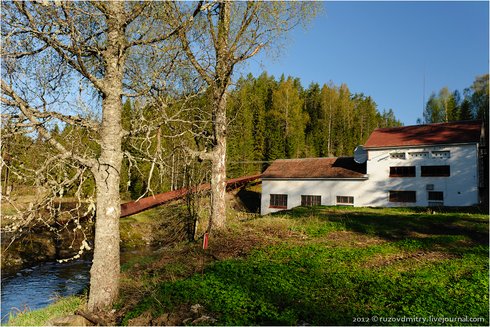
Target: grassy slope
{"points": [[321, 266], [63, 307]]}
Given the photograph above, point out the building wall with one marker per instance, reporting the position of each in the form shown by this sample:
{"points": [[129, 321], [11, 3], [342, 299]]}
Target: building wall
{"points": [[459, 189], [327, 189]]}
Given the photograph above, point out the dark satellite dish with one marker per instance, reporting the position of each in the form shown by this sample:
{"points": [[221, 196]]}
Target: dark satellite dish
{"points": [[360, 154]]}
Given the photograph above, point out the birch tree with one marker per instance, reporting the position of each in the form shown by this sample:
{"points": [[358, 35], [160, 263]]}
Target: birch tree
{"points": [[92, 44], [287, 105], [330, 97]]}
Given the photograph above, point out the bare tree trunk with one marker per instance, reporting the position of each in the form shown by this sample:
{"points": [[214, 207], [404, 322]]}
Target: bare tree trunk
{"points": [[104, 274], [329, 152], [222, 81], [218, 170]]}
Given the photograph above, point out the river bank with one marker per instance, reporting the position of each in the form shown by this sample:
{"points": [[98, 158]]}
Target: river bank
{"points": [[41, 245], [143, 236], [40, 285], [32, 277]]}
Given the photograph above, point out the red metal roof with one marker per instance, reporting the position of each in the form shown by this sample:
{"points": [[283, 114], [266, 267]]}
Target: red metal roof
{"points": [[344, 167], [441, 133]]}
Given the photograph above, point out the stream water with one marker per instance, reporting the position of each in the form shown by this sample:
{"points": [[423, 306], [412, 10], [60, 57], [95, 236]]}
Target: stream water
{"points": [[35, 287]]}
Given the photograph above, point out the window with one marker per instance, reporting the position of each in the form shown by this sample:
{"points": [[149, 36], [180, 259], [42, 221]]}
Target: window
{"points": [[311, 200], [397, 155], [441, 154], [418, 154], [436, 196], [435, 171], [345, 200], [436, 199], [279, 201], [402, 171], [403, 196]]}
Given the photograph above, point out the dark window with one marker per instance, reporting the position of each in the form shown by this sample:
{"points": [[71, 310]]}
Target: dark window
{"points": [[436, 196], [279, 201], [403, 196], [311, 200], [418, 154], [441, 154], [435, 171], [402, 171], [397, 155], [345, 200]]}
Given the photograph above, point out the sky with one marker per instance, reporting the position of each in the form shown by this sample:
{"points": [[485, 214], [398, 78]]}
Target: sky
{"points": [[396, 52]]}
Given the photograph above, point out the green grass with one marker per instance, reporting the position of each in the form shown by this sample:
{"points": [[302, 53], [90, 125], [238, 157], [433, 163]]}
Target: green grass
{"points": [[135, 228], [144, 229], [41, 317], [351, 263]]}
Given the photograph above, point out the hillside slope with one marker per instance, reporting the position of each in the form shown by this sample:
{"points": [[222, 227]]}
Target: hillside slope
{"points": [[318, 266]]}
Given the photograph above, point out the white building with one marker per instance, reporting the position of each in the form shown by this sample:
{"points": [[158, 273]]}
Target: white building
{"points": [[423, 165]]}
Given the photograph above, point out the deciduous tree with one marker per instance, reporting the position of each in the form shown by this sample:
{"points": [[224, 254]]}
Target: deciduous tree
{"points": [[91, 44], [223, 36]]}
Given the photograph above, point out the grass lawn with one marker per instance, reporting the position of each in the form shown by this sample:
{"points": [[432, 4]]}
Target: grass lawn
{"points": [[64, 307], [320, 266]]}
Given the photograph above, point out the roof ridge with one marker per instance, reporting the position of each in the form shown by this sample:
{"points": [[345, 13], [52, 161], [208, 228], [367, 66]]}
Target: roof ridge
{"points": [[434, 124], [311, 158], [323, 167], [463, 131]]}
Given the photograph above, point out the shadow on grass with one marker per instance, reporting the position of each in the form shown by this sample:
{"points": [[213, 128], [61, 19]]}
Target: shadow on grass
{"points": [[302, 285], [402, 224], [290, 284]]}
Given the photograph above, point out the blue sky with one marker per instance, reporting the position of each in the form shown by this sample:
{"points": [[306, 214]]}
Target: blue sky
{"points": [[384, 49]]}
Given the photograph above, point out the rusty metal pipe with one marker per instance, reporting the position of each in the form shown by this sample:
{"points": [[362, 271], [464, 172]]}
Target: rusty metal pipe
{"points": [[134, 207]]}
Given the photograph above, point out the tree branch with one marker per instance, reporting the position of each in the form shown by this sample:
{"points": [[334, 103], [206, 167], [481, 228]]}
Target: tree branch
{"points": [[60, 48], [164, 37], [72, 120], [30, 114]]}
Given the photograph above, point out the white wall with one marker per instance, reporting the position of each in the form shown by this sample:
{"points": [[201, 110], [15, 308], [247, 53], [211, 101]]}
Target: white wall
{"points": [[328, 189], [460, 188]]}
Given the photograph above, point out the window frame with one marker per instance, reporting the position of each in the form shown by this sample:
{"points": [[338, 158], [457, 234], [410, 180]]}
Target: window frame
{"points": [[398, 155], [350, 200], [399, 196], [278, 201], [311, 200], [435, 171], [437, 198], [418, 154], [403, 171], [441, 154]]}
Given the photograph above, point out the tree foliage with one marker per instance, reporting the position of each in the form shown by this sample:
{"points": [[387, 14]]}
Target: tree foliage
{"points": [[280, 119], [48, 48], [449, 106]]}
